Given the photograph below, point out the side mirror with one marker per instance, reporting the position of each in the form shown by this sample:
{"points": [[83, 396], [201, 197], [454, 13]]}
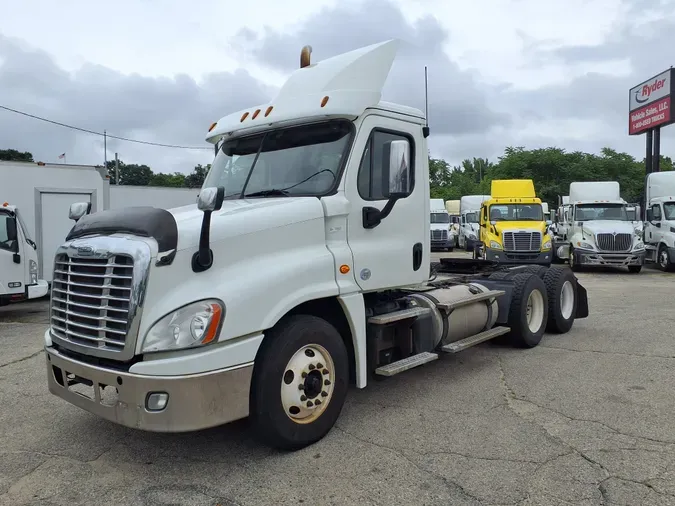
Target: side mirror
{"points": [[657, 224], [209, 200], [78, 210], [396, 170]]}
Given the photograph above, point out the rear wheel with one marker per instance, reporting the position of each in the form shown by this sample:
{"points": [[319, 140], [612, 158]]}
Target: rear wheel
{"points": [[561, 289], [300, 382], [663, 259], [528, 311]]}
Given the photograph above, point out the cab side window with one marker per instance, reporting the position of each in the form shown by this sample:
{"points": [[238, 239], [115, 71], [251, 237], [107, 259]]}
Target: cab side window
{"points": [[370, 178], [656, 212], [6, 242]]}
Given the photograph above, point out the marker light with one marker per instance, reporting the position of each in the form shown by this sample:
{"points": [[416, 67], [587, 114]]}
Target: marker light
{"points": [[243, 117], [324, 101], [255, 114], [268, 111], [213, 125]]}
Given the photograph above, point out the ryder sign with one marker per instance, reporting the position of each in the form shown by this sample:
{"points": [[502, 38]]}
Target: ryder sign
{"points": [[649, 103]]}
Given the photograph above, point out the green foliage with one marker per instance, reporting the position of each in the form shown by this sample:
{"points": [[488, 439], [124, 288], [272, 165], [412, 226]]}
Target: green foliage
{"points": [[12, 155], [141, 175], [552, 170]]}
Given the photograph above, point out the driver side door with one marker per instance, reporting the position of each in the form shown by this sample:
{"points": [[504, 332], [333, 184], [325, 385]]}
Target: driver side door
{"points": [[12, 274]]}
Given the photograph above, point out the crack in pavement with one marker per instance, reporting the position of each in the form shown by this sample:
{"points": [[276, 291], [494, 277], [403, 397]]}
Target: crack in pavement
{"points": [[601, 352], [23, 359], [511, 396]]}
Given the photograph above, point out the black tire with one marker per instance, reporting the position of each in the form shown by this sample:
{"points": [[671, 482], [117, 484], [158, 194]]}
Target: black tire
{"points": [[537, 270], [500, 275], [634, 269], [561, 284], [573, 265], [269, 418], [662, 260], [520, 334]]}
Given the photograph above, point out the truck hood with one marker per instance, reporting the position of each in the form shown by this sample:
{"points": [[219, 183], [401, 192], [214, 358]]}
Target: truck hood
{"points": [[608, 227], [244, 216], [508, 226]]}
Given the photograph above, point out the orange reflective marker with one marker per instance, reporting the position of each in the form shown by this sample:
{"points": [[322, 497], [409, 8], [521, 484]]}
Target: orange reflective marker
{"points": [[344, 269]]}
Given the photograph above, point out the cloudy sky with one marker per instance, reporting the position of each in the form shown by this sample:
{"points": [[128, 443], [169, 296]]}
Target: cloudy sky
{"points": [[527, 73]]}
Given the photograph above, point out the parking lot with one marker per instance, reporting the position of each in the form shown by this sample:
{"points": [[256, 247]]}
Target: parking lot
{"points": [[584, 418]]}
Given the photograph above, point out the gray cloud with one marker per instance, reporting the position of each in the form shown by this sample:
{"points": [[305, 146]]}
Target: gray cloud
{"points": [[174, 110], [457, 105]]}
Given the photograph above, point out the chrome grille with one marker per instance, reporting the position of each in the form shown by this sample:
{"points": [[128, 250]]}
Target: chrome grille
{"points": [[614, 242], [522, 241], [91, 300], [439, 235]]}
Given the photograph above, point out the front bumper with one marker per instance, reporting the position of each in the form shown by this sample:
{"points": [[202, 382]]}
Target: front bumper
{"points": [[195, 401], [518, 258], [610, 259], [449, 243], [38, 290]]}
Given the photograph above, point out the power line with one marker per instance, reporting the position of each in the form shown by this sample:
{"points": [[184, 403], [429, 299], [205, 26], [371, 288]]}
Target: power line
{"points": [[126, 139]]}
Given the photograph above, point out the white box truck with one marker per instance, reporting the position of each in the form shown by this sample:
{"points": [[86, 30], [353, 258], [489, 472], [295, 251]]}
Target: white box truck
{"points": [[597, 230], [439, 226], [659, 227], [19, 279], [469, 229], [184, 319]]}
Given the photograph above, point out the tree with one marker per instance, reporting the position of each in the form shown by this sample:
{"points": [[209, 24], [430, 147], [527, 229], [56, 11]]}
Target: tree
{"points": [[130, 174], [196, 178], [12, 155]]}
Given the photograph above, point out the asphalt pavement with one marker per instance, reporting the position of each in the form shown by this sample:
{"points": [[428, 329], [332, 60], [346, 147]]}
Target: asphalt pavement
{"points": [[585, 418]]}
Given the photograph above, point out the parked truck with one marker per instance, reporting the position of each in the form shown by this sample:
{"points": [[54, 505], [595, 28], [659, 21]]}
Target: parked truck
{"points": [[659, 227], [439, 226], [596, 230], [512, 225], [469, 208], [453, 208], [182, 319], [19, 279]]}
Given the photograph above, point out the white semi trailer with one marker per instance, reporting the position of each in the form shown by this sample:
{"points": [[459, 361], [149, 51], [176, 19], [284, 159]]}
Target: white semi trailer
{"points": [[659, 228], [596, 230], [185, 319]]}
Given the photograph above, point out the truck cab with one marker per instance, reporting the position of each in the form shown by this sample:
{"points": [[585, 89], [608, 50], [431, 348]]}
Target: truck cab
{"points": [[659, 227], [453, 208], [512, 225], [440, 226], [469, 230], [597, 230], [183, 319], [18, 259]]}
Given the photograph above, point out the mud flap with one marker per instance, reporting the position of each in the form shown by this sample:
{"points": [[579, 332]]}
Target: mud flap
{"points": [[582, 302]]}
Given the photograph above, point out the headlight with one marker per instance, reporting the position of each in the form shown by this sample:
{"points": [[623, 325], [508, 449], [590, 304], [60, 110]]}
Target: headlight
{"points": [[471, 235], [194, 325], [639, 245], [546, 245], [33, 269], [495, 245], [584, 245]]}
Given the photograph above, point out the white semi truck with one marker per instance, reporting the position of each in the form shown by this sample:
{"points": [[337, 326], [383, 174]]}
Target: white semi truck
{"points": [[659, 228], [182, 319], [469, 209], [440, 226], [596, 229], [18, 259]]}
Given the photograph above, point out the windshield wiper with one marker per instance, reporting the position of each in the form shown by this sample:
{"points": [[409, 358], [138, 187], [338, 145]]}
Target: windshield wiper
{"points": [[268, 193]]}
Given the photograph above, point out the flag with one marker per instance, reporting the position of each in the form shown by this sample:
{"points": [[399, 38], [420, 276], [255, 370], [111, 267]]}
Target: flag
{"points": [[62, 156]]}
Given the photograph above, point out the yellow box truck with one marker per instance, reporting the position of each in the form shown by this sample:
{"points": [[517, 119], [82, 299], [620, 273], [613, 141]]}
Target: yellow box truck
{"points": [[513, 229]]}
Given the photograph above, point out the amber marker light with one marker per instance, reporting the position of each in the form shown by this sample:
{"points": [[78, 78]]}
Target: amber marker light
{"points": [[324, 101], [344, 269], [212, 331], [243, 117]]}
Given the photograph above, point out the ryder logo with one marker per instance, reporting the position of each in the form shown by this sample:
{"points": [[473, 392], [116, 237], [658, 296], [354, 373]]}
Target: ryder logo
{"points": [[642, 94]]}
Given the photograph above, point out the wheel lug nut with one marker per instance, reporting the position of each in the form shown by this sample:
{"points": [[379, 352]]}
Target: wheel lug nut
{"points": [[319, 366], [309, 404], [326, 382], [301, 387], [304, 374], [317, 402], [325, 371], [312, 367], [324, 394], [303, 398]]}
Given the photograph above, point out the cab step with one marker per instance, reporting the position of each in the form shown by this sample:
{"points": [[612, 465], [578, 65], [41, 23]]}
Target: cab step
{"points": [[407, 363], [470, 300], [403, 314], [462, 345]]}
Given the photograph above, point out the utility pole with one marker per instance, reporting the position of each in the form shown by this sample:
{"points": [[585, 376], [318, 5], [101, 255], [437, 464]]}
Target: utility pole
{"points": [[117, 170], [105, 150]]}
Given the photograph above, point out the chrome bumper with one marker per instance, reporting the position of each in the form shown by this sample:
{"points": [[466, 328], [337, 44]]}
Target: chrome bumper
{"points": [[610, 259], [196, 401]]}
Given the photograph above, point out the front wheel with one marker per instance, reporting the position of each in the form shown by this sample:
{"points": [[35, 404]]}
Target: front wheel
{"points": [[300, 382], [634, 269], [663, 259]]}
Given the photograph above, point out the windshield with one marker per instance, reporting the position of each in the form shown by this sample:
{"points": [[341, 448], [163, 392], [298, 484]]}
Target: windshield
{"points": [[669, 211], [516, 212], [590, 212], [471, 217], [303, 160], [632, 214], [440, 218]]}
